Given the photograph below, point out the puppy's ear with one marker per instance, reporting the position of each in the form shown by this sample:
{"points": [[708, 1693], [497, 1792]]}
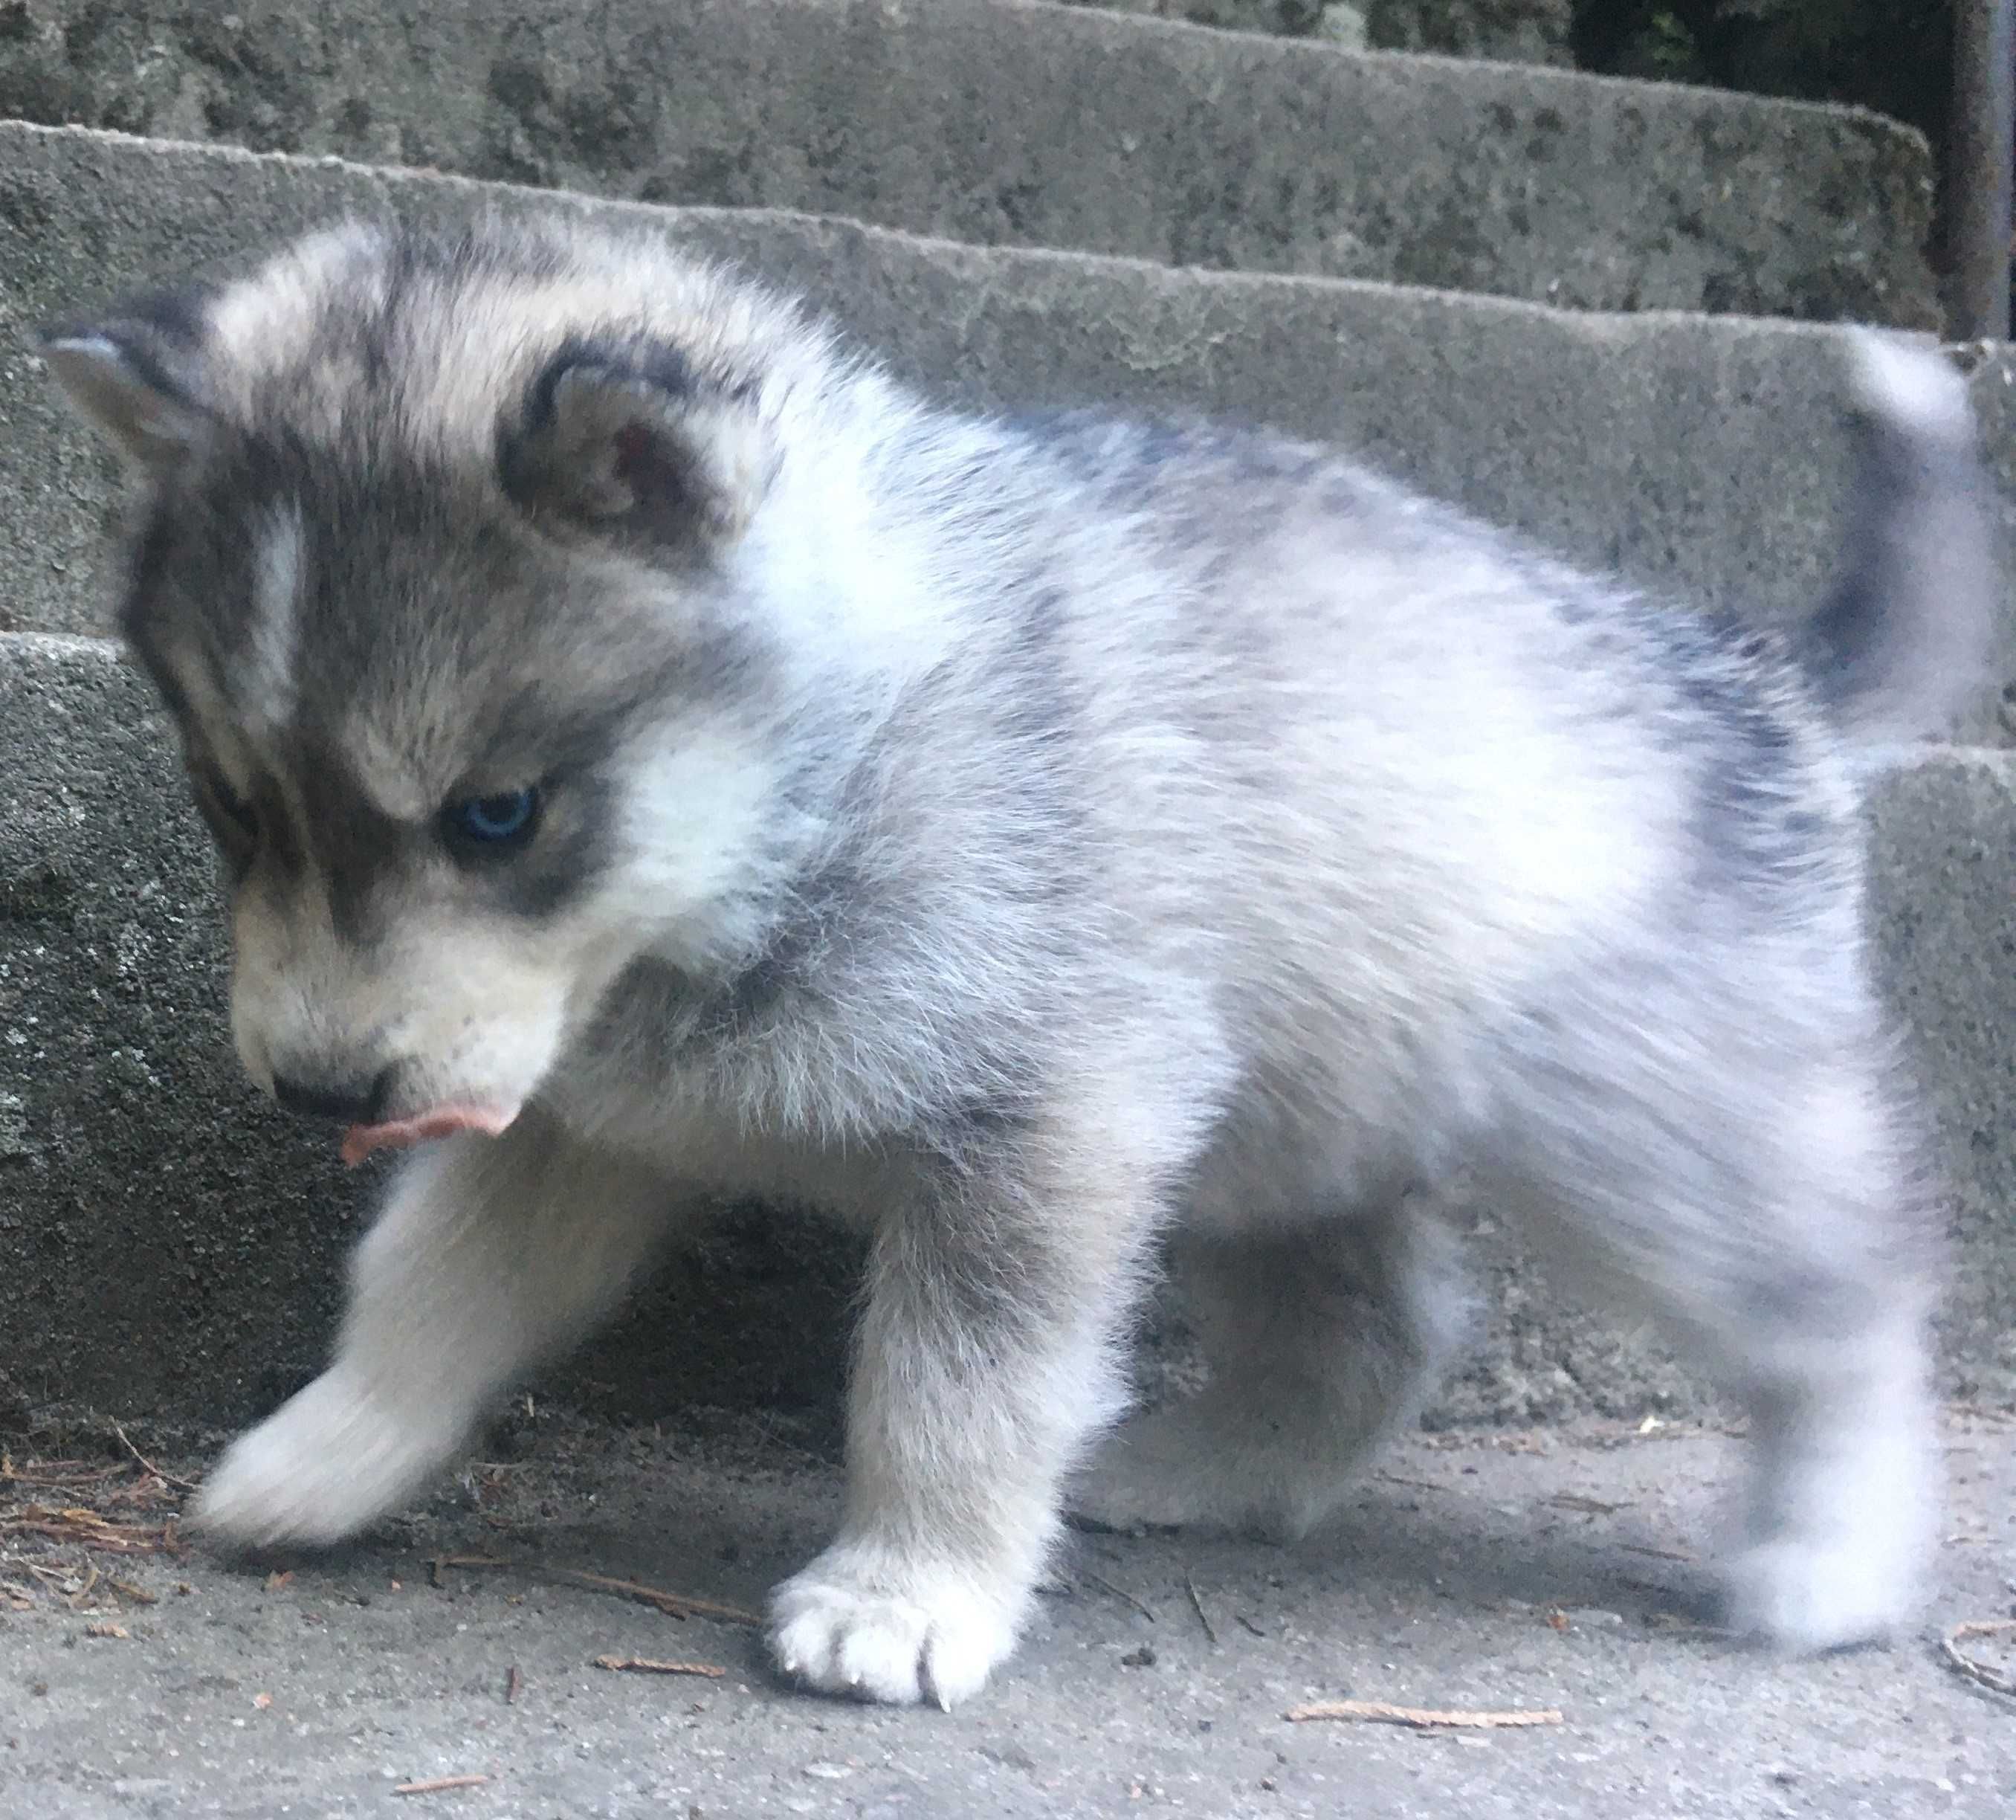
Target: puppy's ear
{"points": [[628, 442], [136, 376]]}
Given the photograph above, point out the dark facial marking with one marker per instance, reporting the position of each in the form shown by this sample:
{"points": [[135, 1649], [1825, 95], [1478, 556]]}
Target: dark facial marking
{"points": [[155, 332], [174, 312], [358, 847], [234, 822], [572, 845]]}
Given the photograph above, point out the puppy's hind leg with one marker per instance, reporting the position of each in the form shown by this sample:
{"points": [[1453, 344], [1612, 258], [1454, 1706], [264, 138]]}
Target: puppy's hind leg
{"points": [[1322, 1341], [491, 1254], [1833, 1360], [1773, 1219]]}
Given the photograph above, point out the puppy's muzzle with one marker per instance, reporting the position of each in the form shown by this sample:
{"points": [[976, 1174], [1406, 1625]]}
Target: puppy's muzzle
{"points": [[357, 1101]]}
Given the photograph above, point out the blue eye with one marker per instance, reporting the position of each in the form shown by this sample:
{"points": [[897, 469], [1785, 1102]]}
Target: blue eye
{"points": [[499, 822]]}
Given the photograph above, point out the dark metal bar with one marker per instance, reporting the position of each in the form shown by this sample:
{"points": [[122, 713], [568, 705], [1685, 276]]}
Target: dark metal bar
{"points": [[1983, 123]]}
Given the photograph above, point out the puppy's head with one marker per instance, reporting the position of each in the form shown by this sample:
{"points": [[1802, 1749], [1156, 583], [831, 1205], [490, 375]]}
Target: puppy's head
{"points": [[444, 558]]}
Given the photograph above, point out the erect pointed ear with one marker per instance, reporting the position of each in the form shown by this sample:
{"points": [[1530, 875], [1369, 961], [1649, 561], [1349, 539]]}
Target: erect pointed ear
{"points": [[628, 441], [134, 376]]}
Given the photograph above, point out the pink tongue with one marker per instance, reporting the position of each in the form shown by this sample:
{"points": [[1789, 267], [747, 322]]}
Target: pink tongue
{"points": [[360, 1140]]}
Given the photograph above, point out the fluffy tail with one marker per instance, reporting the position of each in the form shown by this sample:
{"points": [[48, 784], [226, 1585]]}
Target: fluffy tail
{"points": [[1901, 644]]}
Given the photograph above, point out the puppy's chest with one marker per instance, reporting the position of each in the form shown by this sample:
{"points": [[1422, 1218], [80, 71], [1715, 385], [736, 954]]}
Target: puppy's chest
{"points": [[695, 1110]]}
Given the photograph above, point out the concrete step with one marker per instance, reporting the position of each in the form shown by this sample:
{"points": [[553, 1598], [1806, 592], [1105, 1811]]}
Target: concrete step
{"points": [[1010, 123], [1703, 454], [1510, 31], [170, 1246]]}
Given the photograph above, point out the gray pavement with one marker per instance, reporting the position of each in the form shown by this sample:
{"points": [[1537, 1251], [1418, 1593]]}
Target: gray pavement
{"points": [[1544, 1572]]}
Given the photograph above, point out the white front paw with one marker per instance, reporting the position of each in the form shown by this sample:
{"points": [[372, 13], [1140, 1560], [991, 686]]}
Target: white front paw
{"points": [[851, 1623], [320, 1469]]}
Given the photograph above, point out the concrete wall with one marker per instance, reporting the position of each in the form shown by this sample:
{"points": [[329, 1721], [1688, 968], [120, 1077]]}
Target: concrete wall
{"points": [[997, 121]]}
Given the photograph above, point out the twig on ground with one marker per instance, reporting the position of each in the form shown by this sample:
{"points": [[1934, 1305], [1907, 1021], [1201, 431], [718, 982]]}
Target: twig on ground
{"points": [[645, 1665], [673, 1605], [87, 1529], [1124, 1597], [84, 1591], [512, 1681], [1423, 1718], [440, 1785], [58, 1473], [1418, 1484], [1984, 1674], [1196, 1605], [165, 1478], [1679, 1624]]}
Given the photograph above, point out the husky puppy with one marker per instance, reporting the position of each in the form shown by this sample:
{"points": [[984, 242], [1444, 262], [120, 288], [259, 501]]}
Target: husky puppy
{"points": [[655, 754]]}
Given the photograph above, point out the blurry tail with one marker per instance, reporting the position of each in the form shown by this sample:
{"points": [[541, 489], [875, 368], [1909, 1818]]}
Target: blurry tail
{"points": [[1901, 644]]}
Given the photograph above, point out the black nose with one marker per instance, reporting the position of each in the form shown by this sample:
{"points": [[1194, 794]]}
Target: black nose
{"points": [[348, 1102]]}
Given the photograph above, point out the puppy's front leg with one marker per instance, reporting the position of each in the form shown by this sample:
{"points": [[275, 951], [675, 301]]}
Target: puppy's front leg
{"points": [[984, 1360], [490, 1253]]}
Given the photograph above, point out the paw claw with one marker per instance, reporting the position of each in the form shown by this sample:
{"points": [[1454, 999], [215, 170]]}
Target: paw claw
{"points": [[845, 1626]]}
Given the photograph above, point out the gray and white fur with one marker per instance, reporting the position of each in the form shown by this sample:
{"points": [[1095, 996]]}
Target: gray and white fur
{"points": [[1032, 841]]}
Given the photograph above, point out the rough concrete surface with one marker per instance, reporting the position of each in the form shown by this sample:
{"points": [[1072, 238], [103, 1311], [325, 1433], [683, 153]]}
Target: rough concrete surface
{"points": [[1706, 455], [1556, 1573], [1943, 852], [996, 121]]}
